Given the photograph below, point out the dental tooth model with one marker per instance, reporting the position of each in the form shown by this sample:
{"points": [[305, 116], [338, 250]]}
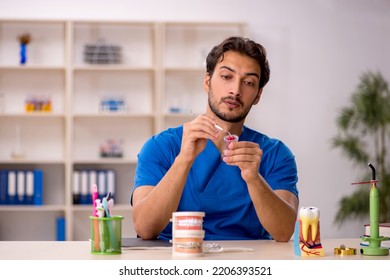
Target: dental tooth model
{"points": [[307, 233], [309, 222]]}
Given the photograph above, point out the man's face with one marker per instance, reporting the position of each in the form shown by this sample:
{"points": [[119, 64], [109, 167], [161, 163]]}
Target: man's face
{"points": [[233, 87]]}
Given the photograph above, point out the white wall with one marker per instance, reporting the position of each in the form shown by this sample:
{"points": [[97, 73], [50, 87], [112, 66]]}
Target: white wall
{"points": [[317, 51]]}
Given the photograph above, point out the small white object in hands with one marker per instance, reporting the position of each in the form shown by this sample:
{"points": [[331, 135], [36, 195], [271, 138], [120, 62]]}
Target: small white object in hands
{"points": [[220, 128]]}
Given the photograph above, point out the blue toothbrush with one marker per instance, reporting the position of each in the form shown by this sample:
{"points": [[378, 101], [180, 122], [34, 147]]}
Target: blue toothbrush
{"points": [[110, 229]]}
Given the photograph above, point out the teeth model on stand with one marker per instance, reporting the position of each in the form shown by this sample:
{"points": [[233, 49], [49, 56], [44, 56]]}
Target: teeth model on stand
{"points": [[307, 233], [309, 217]]}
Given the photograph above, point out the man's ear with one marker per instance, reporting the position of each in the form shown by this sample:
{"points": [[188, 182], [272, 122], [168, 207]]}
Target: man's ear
{"points": [[258, 95], [206, 82]]}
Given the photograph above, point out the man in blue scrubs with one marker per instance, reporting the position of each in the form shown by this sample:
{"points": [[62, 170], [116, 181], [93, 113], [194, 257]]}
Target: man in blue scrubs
{"points": [[248, 193]]}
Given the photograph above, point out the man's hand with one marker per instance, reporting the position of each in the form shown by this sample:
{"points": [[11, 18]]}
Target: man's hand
{"points": [[245, 155], [195, 135]]}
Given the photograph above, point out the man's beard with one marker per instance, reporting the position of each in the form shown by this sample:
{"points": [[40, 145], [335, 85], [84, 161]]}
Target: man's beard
{"points": [[213, 104]]}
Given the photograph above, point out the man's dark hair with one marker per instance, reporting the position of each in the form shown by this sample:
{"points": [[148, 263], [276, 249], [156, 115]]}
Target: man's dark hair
{"points": [[244, 46]]}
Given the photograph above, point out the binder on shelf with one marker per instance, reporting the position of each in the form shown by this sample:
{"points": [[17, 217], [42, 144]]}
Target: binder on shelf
{"points": [[20, 187], [102, 189], [60, 228], [111, 182], [11, 187], [38, 187], [84, 187], [3, 187], [92, 179], [29, 197], [76, 187], [83, 179]]}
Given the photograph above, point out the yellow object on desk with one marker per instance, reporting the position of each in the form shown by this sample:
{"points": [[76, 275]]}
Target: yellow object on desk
{"points": [[344, 251]]}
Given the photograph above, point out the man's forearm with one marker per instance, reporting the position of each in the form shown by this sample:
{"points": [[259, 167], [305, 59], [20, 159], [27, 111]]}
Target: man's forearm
{"points": [[276, 210], [152, 212]]}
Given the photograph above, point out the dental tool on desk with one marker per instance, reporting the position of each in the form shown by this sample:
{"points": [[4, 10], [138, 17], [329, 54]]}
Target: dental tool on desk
{"points": [[100, 214], [220, 128], [374, 247], [217, 248]]}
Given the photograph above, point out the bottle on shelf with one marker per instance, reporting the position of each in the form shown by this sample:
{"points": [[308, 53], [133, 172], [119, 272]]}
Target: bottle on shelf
{"points": [[17, 151]]}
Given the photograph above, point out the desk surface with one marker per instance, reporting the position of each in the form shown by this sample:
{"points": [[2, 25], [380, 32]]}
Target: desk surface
{"points": [[263, 249]]}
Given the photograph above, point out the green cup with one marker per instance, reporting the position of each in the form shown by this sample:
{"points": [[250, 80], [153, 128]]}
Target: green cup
{"points": [[106, 235]]}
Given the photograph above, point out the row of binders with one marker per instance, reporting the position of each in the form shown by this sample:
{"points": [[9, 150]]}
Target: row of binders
{"points": [[21, 187], [83, 180]]}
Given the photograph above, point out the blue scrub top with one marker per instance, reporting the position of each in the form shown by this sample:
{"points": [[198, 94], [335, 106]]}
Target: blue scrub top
{"points": [[216, 188]]}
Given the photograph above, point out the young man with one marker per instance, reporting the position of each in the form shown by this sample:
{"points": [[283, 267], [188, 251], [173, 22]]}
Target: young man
{"points": [[250, 192]]}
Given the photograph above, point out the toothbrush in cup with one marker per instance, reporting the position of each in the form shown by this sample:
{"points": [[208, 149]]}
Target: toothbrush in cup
{"points": [[95, 195], [107, 205]]}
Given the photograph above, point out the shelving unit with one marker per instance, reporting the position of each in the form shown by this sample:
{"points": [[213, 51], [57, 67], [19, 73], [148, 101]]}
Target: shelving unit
{"points": [[159, 79]]}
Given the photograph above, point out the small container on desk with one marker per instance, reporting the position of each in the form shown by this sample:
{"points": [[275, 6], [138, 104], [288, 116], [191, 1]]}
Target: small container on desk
{"points": [[106, 237]]}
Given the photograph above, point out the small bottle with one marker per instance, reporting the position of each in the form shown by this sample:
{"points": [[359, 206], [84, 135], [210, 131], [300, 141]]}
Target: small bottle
{"points": [[29, 104], [17, 152], [46, 104]]}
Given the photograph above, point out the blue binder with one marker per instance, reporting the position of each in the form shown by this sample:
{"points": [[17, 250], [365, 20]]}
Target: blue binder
{"points": [[60, 223], [76, 187], [102, 182], [3, 187], [111, 178], [84, 189], [20, 187], [38, 187], [12, 187], [29, 195]]}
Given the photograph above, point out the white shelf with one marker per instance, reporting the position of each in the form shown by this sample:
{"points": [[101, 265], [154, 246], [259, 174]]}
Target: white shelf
{"points": [[114, 115], [33, 208], [162, 68], [25, 68], [121, 161], [31, 161], [111, 68]]}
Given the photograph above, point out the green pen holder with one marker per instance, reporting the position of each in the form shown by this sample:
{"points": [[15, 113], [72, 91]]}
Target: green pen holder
{"points": [[106, 235]]}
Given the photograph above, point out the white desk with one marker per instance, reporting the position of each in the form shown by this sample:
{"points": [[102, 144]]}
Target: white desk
{"points": [[263, 250]]}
